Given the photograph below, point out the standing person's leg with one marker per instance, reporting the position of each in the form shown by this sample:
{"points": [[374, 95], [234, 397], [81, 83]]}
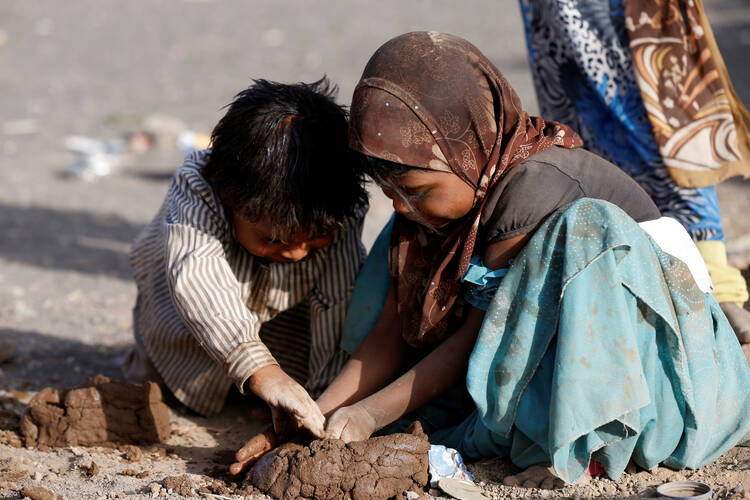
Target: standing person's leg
{"points": [[583, 74]]}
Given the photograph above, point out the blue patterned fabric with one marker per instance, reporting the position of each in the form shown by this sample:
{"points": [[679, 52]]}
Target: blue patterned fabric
{"points": [[596, 345], [584, 77], [482, 282]]}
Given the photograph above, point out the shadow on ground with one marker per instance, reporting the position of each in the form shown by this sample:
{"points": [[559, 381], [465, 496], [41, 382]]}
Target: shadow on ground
{"points": [[67, 240], [40, 360]]}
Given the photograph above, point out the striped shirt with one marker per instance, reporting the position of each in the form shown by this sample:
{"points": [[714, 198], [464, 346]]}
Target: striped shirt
{"points": [[209, 313]]}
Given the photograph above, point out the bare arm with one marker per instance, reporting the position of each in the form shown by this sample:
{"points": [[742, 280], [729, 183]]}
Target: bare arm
{"points": [[438, 371], [445, 366], [376, 362]]}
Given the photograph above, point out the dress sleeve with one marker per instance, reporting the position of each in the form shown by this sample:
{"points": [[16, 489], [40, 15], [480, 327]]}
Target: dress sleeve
{"points": [[203, 288], [525, 198], [329, 300]]}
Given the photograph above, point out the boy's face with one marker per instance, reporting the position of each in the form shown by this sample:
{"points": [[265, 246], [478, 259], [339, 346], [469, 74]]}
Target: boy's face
{"points": [[257, 238]]}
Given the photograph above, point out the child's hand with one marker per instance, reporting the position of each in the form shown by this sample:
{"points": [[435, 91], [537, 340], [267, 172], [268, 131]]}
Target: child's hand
{"points": [[288, 400], [351, 423], [259, 445]]}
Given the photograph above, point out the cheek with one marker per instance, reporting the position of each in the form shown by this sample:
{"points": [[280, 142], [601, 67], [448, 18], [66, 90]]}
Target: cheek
{"points": [[321, 242], [254, 246]]}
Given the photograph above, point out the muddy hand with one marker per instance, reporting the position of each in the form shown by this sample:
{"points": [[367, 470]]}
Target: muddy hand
{"points": [[351, 423], [287, 399], [258, 446]]}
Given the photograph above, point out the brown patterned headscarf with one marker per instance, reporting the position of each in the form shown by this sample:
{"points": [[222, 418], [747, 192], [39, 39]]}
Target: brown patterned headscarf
{"points": [[432, 100]]}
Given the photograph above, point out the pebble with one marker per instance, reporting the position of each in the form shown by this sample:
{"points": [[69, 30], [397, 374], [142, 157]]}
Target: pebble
{"points": [[155, 488]]}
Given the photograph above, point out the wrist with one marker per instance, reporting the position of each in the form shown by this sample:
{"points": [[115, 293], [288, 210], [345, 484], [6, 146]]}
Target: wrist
{"points": [[262, 377], [378, 417]]}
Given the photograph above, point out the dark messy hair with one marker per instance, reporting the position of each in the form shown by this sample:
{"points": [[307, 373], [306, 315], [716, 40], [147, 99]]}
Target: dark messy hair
{"points": [[280, 153], [386, 173]]}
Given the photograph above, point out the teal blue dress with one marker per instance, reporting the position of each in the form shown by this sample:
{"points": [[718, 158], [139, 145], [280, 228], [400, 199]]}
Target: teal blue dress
{"points": [[595, 345]]}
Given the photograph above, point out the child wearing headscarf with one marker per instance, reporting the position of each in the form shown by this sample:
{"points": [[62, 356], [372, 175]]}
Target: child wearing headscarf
{"points": [[515, 305]]}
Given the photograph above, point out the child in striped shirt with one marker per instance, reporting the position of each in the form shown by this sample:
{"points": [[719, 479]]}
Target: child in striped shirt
{"points": [[245, 273]]}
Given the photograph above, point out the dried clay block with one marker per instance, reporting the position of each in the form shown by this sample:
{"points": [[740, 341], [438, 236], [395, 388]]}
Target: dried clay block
{"points": [[102, 411], [380, 467]]}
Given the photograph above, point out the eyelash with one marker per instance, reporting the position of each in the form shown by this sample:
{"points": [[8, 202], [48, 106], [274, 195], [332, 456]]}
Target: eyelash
{"points": [[411, 195]]}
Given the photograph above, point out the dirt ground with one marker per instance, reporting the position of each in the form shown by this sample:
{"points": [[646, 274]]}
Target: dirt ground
{"points": [[102, 69]]}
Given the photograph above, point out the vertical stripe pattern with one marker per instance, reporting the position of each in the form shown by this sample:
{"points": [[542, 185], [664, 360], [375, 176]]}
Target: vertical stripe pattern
{"points": [[209, 314]]}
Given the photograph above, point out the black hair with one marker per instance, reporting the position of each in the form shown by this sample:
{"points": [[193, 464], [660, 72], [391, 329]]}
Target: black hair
{"points": [[385, 173], [280, 153]]}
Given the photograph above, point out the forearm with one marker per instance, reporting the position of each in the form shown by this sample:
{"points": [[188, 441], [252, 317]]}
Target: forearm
{"points": [[444, 367], [377, 361]]}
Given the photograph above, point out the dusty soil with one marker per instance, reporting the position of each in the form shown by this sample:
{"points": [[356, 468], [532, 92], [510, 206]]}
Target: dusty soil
{"points": [[104, 68]]}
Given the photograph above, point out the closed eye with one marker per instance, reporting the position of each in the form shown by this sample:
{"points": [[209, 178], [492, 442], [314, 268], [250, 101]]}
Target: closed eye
{"points": [[414, 192]]}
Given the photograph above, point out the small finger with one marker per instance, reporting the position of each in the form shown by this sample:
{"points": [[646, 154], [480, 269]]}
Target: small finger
{"points": [[311, 418], [238, 467], [257, 445], [333, 431], [315, 425]]}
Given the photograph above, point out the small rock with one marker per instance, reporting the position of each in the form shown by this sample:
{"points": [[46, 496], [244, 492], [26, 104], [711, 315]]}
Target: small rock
{"points": [[39, 493], [75, 450], [11, 438], [132, 453], [89, 470], [155, 488]]}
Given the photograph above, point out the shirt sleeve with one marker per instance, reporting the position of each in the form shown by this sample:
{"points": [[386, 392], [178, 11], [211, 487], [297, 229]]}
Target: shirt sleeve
{"points": [[204, 289], [329, 300]]}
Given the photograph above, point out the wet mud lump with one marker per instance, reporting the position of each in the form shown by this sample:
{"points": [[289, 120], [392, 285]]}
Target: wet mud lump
{"points": [[380, 467]]}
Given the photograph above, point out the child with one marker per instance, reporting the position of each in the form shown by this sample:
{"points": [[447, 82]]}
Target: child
{"points": [[245, 273], [577, 337]]}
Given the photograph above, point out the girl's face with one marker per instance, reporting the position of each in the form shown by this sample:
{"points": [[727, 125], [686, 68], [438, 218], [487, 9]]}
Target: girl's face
{"points": [[434, 197]]}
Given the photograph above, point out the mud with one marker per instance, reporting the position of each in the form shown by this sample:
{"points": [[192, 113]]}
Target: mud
{"points": [[39, 493], [380, 467], [182, 485], [103, 411]]}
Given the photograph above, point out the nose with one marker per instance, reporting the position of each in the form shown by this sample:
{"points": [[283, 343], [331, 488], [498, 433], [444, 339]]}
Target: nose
{"points": [[296, 252], [398, 204]]}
